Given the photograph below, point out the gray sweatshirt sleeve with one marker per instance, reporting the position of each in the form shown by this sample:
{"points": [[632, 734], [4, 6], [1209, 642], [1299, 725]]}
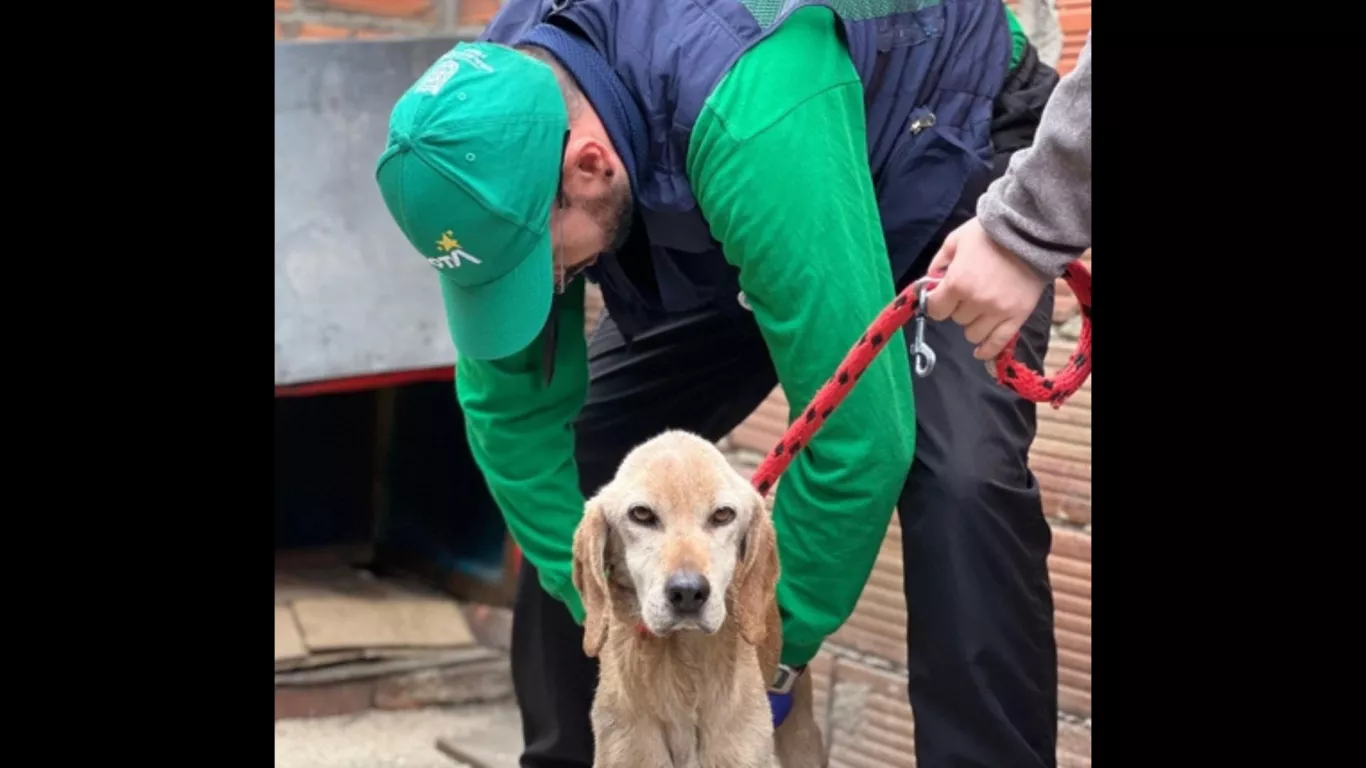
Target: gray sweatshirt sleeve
{"points": [[1041, 208]]}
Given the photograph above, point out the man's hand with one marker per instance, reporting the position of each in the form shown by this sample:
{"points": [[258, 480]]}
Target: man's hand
{"points": [[986, 289]]}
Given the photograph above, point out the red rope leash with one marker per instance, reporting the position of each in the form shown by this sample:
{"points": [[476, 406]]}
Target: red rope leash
{"points": [[1009, 371]]}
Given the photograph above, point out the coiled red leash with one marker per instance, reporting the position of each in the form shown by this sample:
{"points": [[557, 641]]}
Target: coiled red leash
{"points": [[1010, 372]]}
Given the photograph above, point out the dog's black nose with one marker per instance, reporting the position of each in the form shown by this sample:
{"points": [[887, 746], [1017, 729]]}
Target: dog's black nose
{"points": [[687, 591]]}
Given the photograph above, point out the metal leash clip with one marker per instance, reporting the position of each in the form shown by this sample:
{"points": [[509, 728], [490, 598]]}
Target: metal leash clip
{"points": [[924, 356]]}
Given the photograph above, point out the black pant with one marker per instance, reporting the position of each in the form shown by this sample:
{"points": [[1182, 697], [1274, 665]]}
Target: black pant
{"points": [[981, 651]]}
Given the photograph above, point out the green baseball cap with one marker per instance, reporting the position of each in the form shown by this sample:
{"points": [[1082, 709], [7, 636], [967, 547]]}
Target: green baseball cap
{"points": [[469, 174]]}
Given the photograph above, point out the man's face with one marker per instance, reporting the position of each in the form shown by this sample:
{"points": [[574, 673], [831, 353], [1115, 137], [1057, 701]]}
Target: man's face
{"points": [[594, 215]]}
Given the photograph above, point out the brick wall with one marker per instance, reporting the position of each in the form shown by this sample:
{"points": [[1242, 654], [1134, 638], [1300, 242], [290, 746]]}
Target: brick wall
{"points": [[333, 19], [1074, 20], [343, 19], [1074, 16]]}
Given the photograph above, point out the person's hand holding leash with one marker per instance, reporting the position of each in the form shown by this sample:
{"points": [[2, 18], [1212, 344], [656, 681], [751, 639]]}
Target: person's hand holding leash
{"points": [[1031, 223], [986, 289]]}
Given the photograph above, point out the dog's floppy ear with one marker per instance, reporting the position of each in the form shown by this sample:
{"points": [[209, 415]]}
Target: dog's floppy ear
{"points": [[589, 574], [758, 574]]}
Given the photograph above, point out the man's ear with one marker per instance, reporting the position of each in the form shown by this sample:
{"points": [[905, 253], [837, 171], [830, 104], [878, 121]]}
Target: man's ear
{"points": [[588, 167], [589, 574], [758, 574]]}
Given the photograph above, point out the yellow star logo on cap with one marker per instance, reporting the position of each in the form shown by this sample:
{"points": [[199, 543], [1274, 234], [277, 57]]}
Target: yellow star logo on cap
{"points": [[447, 243]]}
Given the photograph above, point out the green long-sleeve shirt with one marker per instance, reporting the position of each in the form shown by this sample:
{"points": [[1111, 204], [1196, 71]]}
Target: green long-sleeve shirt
{"points": [[778, 164]]}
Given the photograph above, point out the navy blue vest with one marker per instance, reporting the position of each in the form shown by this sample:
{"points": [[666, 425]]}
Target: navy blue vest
{"points": [[931, 70]]}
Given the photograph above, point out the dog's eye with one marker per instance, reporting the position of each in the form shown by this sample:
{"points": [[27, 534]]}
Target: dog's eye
{"points": [[641, 514], [722, 516]]}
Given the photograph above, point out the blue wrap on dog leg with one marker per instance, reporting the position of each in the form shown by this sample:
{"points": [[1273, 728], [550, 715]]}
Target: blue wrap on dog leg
{"points": [[781, 704]]}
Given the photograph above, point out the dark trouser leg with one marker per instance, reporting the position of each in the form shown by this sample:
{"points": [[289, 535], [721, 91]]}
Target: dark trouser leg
{"points": [[552, 678], [981, 650], [982, 657], [702, 373]]}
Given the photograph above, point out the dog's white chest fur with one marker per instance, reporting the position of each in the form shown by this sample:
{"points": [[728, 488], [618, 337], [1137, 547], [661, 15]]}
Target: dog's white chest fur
{"points": [[673, 707], [681, 740]]}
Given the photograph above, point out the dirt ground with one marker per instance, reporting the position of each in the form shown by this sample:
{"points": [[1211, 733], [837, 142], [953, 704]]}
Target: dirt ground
{"points": [[404, 739]]}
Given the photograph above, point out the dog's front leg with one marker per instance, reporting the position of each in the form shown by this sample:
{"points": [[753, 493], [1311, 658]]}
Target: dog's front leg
{"points": [[798, 739], [625, 740], [738, 738]]}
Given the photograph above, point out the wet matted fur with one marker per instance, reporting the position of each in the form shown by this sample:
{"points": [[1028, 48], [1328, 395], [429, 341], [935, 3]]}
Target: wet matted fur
{"points": [[682, 681]]}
